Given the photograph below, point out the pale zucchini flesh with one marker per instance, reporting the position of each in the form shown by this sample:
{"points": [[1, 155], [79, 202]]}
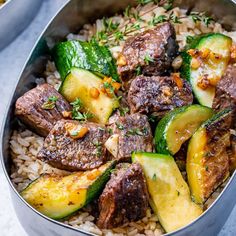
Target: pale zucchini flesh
{"points": [[169, 193], [58, 197], [78, 84], [178, 126], [207, 163], [219, 44]]}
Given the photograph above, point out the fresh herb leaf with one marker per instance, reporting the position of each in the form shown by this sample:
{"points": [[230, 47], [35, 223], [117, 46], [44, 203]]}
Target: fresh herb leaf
{"points": [[109, 86], [138, 70], [207, 20], [123, 110], [110, 131], [137, 131], [109, 25], [175, 19], [154, 177], [152, 118], [144, 2], [53, 98], [127, 11], [206, 168], [50, 103], [189, 39], [201, 16], [77, 103], [148, 59], [119, 126], [118, 35], [98, 146], [100, 128], [157, 19], [77, 114], [168, 5]]}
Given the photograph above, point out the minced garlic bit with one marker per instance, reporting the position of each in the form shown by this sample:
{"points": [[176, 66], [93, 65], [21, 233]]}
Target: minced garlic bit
{"points": [[121, 61], [76, 131], [203, 82], [67, 114], [195, 63]]}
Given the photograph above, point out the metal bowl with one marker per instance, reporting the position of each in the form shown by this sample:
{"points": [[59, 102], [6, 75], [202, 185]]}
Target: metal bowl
{"points": [[15, 15], [69, 19]]}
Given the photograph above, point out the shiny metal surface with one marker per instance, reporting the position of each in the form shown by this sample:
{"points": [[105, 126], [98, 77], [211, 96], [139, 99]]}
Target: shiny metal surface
{"points": [[74, 14], [15, 15]]}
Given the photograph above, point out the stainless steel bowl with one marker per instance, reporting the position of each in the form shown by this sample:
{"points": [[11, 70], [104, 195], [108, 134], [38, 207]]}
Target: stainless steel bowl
{"points": [[69, 19], [15, 15]]}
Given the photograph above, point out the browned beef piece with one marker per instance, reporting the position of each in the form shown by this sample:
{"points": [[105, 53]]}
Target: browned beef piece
{"points": [[226, 92], [134, 134], [231, 150], [181, 155], [29, 108], [158, 94], [152, 51], [64, 152], [125, 197]]}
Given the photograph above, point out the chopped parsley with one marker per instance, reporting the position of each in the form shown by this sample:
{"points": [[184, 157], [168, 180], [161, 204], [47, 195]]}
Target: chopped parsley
{"points": [[138, 70], [120, 126], [137, 131], [50, 103], [76, 111], [110, 131], [108, 86], [154, 177], [123, 110], [148, 59], [98, 146]]}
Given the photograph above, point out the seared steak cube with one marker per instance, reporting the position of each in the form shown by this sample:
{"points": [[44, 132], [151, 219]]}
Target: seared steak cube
{"points": [[66, 149], [151, 52], [158, 94], [125, 197], [130, 133], [41, 107], [225, 95]]}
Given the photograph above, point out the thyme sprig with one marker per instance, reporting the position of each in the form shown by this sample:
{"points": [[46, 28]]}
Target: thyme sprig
{"points": [[114, 32], [201, 16]]}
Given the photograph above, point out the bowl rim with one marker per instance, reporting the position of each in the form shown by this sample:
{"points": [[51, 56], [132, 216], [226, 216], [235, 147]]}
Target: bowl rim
{"points": [[5, 4], [14, 87]]}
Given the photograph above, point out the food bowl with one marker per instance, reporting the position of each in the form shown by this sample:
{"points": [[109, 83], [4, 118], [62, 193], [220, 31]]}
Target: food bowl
{"points": [[70, 18], [15, 16]]}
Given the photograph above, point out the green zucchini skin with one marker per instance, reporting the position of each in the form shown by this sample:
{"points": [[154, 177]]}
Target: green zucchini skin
{"points": [[162, 142], [205, 97], [44, 195], [207, 152], [169, 193], [86, 55]]}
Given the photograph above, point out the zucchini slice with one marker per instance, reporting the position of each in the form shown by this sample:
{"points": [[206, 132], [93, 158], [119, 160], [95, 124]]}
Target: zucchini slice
{"points": [[207, 159], [206, 64], [58, 197], [78, 84], [169, 193], [178, 126], [85, 55]]}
